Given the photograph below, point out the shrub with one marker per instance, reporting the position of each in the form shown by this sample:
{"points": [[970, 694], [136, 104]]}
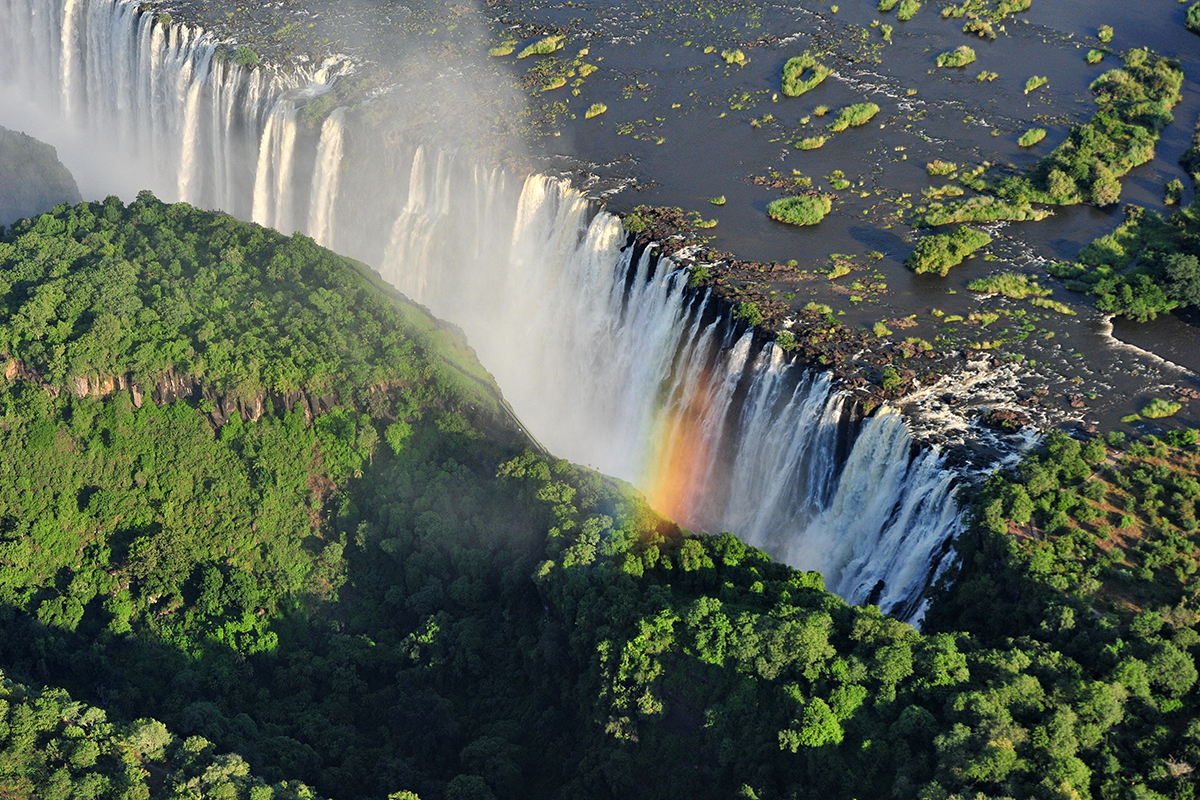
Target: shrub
{"points": [[717, 201], [1173, 192], [542, 47], [1105, 33], [907, 9], [1159, 408], [595, 110], [1009, 284], [1035, 82], [1192, 18], [940, 252], [811, 143], [939, 167], [1031, 137], [980, 28], [803, 210], [785, 341], [854, 115], [750, 312], [978, 209], [794, 81], [734, 57], [958, 57], [891, 380], [887, 5], [1096, 56], [245, 57]]}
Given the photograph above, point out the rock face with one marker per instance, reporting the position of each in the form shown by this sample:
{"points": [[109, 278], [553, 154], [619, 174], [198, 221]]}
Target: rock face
{"points": [[32, 179]]}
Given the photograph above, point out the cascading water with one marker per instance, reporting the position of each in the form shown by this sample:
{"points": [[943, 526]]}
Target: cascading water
{"points": [[326, 181], [162, 98], [603, 351]]}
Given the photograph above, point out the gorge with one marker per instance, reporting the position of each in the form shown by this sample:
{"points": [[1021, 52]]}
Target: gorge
{"points": [[602, 350]]}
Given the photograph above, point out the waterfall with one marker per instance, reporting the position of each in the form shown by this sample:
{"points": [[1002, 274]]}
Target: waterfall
{"points": [[611, 361], [601, 348], [160, 100]]}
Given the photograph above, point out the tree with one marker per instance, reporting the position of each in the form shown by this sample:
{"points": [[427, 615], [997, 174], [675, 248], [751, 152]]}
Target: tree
{"points": [[1183, 278], [819, 728]]}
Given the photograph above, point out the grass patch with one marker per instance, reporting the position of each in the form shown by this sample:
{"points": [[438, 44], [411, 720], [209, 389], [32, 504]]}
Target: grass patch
{"points": [[803, 210], [1009, 284], [542, 47], [811, 143], [595, 110], [1031, 137], [501, 50], [1035, 82], [887, 5], [940, 252], [802, 74], [1052, 305], [987, 76], [1160, 409], [717, 201], [939, 167], [907, 9], [840, 269], [958, 57], [734, 57], [854, 115]]}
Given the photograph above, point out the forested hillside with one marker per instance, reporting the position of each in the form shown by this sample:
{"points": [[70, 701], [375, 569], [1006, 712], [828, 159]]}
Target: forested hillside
{"points": [[251, 495]]}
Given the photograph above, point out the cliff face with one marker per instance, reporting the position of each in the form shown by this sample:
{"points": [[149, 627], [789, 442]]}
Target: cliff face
{"points": [[32, 179]]}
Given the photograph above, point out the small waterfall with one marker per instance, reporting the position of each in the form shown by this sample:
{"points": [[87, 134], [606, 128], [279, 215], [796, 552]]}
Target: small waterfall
{"points": [[325, 181], [602, 349]]}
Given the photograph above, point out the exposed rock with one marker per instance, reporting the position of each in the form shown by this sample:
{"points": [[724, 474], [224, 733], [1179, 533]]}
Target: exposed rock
{"points": [[1006, 420]]}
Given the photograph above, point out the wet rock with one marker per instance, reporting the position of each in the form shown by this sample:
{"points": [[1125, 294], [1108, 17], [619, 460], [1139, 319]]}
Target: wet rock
{"points": [[1006, 420]]}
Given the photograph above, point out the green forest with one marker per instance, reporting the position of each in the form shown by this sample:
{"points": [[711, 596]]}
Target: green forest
{"points": [[269, 532]]}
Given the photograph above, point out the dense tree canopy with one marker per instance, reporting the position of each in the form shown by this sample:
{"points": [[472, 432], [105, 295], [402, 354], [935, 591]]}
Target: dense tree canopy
{"points": [[392, 596]]}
